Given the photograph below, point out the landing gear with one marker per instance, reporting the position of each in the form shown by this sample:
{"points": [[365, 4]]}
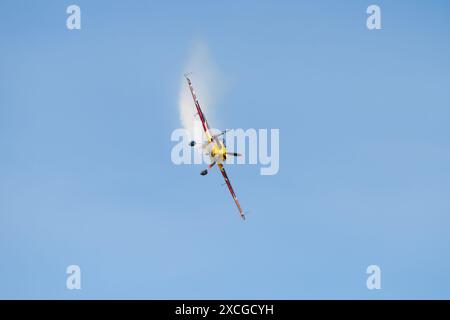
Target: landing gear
{"points": [[205, 172]]}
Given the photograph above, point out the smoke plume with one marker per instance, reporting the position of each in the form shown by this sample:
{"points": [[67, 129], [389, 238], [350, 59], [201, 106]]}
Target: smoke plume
{"points": [[205, 78]]}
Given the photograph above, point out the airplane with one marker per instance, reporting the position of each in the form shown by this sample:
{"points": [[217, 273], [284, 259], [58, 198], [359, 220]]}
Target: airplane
{"points": [[214, 147]]}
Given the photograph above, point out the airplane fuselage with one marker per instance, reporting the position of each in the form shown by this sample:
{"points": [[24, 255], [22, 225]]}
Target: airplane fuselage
{"points": [[218, 152]]}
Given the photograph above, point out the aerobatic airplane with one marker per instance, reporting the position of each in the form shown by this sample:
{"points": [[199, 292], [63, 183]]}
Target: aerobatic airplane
{"points": [[214, 147]]}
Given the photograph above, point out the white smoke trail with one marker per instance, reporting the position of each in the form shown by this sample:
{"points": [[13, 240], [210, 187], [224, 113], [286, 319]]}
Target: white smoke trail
{"points": [[208, 88]]}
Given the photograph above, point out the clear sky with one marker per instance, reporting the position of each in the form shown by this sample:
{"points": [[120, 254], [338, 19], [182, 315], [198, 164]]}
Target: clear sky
{"points": [[86, 176]]}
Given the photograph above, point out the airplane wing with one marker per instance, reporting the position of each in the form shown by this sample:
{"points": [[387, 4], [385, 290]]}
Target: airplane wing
{"points": [[199, 111], [224, 174]]}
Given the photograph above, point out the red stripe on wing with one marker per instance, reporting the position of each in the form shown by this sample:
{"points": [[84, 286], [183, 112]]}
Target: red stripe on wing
{"points": [[199, 110], [225, 176]]}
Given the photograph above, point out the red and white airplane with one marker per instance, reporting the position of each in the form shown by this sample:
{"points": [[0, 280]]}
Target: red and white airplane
{"points": [[214, 147]]}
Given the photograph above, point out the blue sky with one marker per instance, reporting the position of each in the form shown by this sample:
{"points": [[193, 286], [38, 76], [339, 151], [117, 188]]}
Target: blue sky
{"points": [[86, 176]]}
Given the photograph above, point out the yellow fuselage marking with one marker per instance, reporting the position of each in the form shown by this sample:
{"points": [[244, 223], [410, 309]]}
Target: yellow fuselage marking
{"points": [[218, 152]]}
